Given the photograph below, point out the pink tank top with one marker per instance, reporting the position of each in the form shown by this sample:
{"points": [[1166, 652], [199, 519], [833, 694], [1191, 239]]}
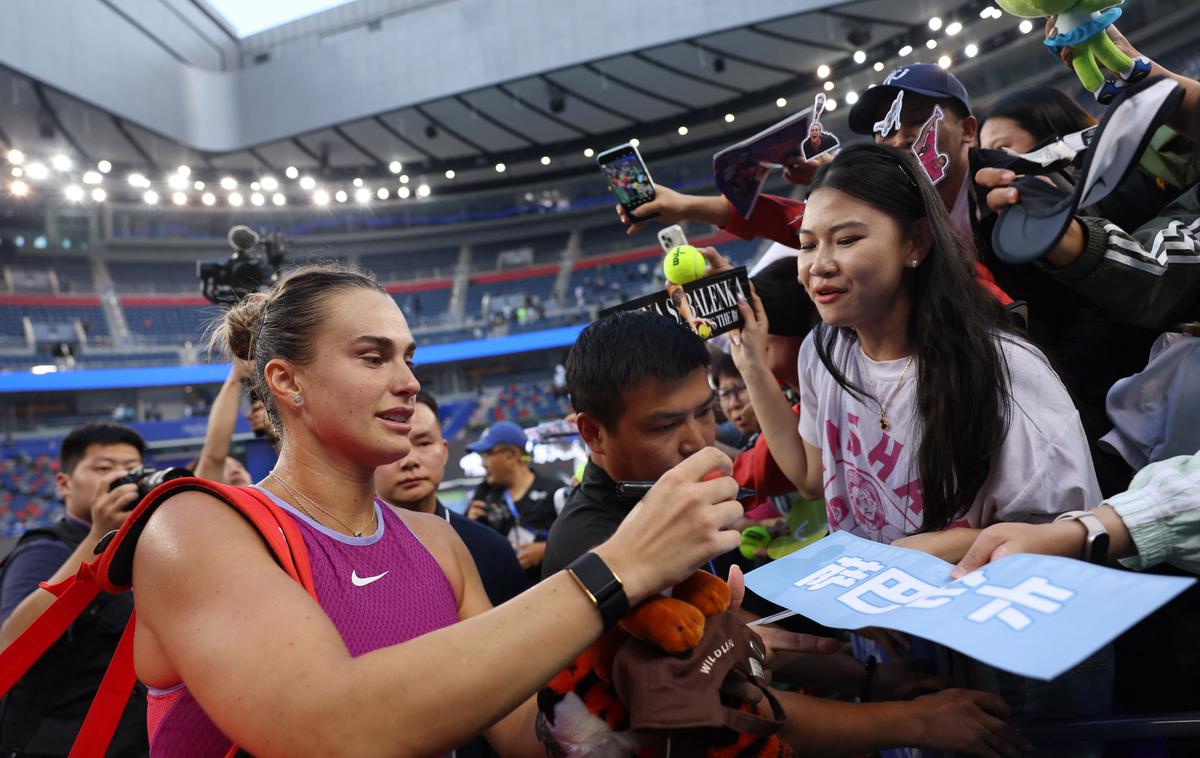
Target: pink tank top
{"points": [[378, 590]]}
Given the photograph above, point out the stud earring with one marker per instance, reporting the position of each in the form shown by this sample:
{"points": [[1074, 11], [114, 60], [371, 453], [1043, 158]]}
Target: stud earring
{"points": [[296, 399], [913, 264]]}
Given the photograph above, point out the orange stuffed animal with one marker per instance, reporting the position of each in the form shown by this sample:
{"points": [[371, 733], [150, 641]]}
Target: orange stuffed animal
{"points": [[581, 714]]}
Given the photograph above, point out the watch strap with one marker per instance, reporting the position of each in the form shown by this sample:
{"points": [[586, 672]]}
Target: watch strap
{"points": [[1095, 549], [602, 586]]}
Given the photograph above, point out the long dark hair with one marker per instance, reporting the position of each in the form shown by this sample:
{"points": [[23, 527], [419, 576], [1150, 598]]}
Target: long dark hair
{"points": [[962, 376], [1042, 111]]}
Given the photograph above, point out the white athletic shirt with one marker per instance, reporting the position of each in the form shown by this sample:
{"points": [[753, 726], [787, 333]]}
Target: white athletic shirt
{"points": [[871, 484]]}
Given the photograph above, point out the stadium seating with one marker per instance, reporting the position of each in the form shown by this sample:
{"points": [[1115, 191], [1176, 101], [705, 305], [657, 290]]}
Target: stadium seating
{"points": [[166, 319], [534, 282], [157, 277], [528, 402], [409, 265], [48, 309], [27, 493], [545, 249]]}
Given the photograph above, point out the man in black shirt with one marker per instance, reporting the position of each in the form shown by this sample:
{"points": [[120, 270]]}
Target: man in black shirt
{"points": [[514, 499], [640, 387], [412, 483]]}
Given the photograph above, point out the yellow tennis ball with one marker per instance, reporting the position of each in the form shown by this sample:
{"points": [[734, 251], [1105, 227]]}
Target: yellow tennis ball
{"points": [[704, 331], [683, 264]]}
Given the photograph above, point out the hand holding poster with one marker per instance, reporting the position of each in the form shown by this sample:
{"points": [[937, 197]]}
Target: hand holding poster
{"points": [[1032, 615], [707, 306]]}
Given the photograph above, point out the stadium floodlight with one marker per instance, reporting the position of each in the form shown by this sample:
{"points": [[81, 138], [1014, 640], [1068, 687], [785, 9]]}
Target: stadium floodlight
{"points": [[179, 198], [74, 193], [291, 172], [404, 178], [37, 171], [851, 97], [278, 199], [18, 172], [545, 160], [269, 183], [729, 118], [904, 51], [403, 193], [61, 163], [228, 183], [945, 61], [99, 195], [382, 193], [395, 167], [450, 173], [831, 104], [137, 180], [781, 102], [500, 167], [829, 86], [358, 182], [255, 186], [150, 197], [104, 167], [971, 50], [178, 182], [199, 185], [362, 195], [92, 177], [19, 188], [953, 29], [321, 197], [935, 23], [931, 44], [16, 157], [307, 183], [184, 170], [341, 196], [635, 142], [257, 199], [1025, 26], [682, 131], [878, 66], [236, 199], [823, 71], [423, 190], [208, 198], [588, 152], [860, 56]]}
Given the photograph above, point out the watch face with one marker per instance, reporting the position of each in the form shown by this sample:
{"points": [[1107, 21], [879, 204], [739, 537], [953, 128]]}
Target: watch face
{"points": [[1098, 548]]}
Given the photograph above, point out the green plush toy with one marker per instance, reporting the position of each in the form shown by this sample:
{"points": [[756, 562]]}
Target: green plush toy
{"points": [[1080, 27]]}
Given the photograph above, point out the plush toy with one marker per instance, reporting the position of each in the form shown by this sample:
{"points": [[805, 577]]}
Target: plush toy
{"points": [[1080, 26], [580, 712]]}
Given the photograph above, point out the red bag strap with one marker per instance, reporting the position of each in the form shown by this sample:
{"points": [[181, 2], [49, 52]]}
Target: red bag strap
{"points": [[105, 711], [276, 527], [74, 594]]}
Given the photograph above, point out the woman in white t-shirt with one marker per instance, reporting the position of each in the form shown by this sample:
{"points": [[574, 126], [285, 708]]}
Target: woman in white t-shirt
{"points": [[922, 409]]}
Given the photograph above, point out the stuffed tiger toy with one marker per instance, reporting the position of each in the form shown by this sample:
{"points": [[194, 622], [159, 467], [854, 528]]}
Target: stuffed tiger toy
{"points": [[581, 714]]}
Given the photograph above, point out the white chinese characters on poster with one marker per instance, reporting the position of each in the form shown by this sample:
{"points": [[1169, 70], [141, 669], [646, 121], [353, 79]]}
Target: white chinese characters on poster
{"points": [[1029, 614]]}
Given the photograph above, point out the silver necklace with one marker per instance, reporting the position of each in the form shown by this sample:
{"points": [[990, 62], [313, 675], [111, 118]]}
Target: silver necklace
{"points": [[296, 493], [883, 422]]}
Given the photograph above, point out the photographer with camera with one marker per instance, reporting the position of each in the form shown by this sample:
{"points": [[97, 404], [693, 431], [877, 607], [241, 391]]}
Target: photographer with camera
{"points": [[43, 712]]}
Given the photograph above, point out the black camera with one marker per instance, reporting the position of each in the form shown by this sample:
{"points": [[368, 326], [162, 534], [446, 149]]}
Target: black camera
{"points": [[255, 264], [147, 478]]}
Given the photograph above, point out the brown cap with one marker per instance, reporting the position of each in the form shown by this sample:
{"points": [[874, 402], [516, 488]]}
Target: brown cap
{"points": [[674, 692]]}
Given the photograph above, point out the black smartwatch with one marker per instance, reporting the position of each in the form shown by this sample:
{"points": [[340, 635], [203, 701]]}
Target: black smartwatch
{"points": [[1095, 548], [602, 586]]}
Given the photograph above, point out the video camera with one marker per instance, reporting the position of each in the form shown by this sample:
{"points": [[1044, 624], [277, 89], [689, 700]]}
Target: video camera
{"points": [[255, 263], [147, 478]]}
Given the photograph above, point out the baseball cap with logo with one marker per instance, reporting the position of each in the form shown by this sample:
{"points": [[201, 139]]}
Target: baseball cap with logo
{"points": [[503, 433], [927, 79]]}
